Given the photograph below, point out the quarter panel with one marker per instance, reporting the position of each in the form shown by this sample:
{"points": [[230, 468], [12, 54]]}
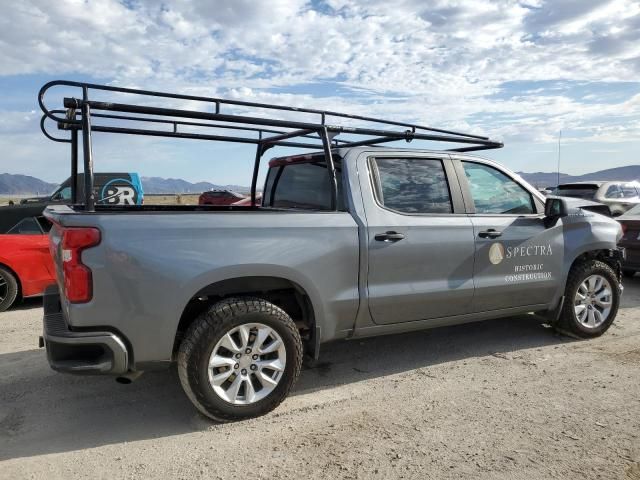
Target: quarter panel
{"points": [[147, 267]]}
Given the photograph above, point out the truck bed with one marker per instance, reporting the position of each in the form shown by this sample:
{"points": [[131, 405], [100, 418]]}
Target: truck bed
{"points": [[147, 268]]}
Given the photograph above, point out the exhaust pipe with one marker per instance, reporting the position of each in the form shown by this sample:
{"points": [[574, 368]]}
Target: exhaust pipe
{"points": [[128, 377]]}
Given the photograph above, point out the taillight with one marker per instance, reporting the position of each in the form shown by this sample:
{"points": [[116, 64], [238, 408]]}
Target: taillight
{"points": [[78, 285], [624, 228]]}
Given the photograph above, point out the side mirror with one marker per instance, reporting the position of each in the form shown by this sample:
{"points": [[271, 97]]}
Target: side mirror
{"points": [[554, 208]]}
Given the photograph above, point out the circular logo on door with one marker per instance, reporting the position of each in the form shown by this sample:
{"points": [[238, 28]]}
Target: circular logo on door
{"points": [[496, 253]]}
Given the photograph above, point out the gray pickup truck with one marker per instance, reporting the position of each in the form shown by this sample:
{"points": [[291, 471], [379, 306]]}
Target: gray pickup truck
{"points": [[350, 241]]}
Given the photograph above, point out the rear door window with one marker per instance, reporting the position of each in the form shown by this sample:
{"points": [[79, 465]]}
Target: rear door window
{"points": [[412, 185]]}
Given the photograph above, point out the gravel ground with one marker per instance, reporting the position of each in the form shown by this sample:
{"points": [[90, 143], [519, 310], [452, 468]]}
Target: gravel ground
{"points": [[504, 399]]}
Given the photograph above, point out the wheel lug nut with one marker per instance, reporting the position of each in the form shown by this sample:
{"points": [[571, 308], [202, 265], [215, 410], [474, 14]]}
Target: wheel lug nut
{"points": [[238, 355], [254, 367], [236, 366], [255, 357], [244, 371], [247, 351]]}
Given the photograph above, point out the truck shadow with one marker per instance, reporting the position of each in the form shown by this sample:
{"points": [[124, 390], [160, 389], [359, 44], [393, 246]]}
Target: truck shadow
{"points": [[43, 412]]}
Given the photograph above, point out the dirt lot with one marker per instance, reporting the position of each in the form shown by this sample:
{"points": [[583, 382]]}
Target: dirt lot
{"points": [[504, 399], [177, 199]]}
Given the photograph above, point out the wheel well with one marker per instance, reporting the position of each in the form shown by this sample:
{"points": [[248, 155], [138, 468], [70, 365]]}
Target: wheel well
{"points": [[15, 275], [606, 256], [284, 293]]}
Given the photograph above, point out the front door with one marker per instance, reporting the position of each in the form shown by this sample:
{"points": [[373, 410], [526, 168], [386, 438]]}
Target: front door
{"points": [[518, 260], [420, 241]]}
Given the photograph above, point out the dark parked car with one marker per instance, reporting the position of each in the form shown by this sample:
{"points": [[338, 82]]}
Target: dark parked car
{"points": [[109, 188], [630, 222], [219, 197]]}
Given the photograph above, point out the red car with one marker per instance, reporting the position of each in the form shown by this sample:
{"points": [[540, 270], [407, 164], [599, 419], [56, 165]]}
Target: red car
{"points": [[246, 202], [26, 267], [219, 197]]}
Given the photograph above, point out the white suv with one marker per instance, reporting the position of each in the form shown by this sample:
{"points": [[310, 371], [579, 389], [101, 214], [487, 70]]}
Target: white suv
{"points": [[619, 196]]}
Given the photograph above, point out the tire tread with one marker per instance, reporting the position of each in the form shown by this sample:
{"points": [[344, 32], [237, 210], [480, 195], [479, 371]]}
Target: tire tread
{"points": [[12, 289], [215, 319], [566, 324]]}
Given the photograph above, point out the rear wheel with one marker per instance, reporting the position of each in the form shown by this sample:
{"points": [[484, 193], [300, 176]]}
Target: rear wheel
{"points": [[8, 289], [592, 297], [240, 359]]}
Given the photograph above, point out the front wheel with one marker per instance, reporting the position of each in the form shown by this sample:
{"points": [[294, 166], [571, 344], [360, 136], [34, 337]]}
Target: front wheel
{"points": [[240, 359], [592, 297], [8, 289]]}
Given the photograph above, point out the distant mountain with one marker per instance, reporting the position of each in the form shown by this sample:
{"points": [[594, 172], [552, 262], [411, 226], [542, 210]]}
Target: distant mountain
{"points": [[548, 179], [24, 185], [177, 185]]}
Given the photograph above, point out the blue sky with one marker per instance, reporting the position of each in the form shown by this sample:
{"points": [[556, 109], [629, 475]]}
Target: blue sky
{"points": [[518, 71]]}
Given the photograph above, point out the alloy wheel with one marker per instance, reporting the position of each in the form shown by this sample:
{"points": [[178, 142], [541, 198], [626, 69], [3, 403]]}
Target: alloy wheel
{"points": [[593, 300], [247, 363]]}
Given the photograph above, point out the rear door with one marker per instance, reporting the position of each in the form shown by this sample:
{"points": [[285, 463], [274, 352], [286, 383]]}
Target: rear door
{"points": [[420, 241], [518, 260]]}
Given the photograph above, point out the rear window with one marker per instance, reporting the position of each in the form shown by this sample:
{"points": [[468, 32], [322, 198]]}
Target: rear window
{"points": [[303, 185], [586, 192]]}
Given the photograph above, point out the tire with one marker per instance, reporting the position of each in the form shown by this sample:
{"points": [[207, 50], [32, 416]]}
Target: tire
{"points": [[210, 333], [8, 289], [568, 321], [628, 273]]}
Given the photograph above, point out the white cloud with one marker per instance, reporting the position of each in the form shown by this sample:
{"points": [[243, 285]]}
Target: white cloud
{"points": [[442, 62]]}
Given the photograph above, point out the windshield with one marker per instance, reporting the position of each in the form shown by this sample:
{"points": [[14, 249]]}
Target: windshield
{"points": [[586, 192]]}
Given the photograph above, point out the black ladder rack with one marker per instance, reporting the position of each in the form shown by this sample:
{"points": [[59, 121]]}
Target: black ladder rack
{"points": [[79, 114]]}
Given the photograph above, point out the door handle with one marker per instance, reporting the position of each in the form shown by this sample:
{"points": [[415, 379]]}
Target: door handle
{"points": [[389, 236], [490, 233]]}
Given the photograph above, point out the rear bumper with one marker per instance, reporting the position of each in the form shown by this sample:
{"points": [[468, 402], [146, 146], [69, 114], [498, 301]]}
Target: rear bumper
{"points": [[80, 352]]}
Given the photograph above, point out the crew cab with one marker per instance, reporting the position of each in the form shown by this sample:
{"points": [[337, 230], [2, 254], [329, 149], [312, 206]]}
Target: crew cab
{"points": [[350, 241]]}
